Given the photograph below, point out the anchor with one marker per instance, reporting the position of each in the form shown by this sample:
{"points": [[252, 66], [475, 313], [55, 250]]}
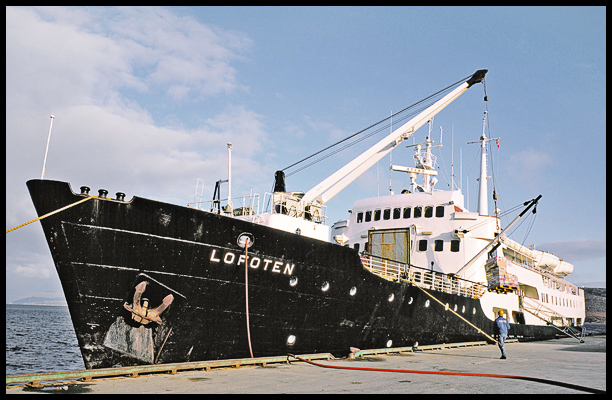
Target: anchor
{"points": [[141, 312]]}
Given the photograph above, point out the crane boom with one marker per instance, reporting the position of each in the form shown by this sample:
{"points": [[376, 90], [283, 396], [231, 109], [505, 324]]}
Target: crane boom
{"points": [[328, 188]]}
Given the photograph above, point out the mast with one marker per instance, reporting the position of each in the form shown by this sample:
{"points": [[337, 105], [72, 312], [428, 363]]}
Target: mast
{"points": [[229, 175], [42, 175], [483, 205]]}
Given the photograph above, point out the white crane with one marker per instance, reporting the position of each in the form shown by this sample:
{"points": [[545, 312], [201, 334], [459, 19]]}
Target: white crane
{"points": [[331, 186]]}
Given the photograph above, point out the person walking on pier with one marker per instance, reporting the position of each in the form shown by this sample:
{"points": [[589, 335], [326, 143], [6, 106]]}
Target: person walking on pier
{"points": [[502, 327]]}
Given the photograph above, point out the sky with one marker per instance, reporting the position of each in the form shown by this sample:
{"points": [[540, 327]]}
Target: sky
{"points": [[145, 100]]}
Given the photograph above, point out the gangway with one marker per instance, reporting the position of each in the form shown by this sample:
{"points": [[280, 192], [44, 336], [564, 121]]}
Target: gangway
{"points": [[549, 316]]}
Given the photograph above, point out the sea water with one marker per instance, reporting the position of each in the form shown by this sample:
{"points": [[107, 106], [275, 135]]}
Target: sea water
{"points": [[40, 339]]}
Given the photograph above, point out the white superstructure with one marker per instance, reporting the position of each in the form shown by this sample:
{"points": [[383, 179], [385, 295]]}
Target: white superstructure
{"points": [[433, 229], [428, 236]]}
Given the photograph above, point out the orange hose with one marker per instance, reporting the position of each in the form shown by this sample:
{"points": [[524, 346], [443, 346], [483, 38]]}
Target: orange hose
{"points": [[406, 371]]}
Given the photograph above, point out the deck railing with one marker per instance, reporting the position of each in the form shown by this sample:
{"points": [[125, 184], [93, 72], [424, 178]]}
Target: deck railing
{"points": [[427, 279], [236, 206]]}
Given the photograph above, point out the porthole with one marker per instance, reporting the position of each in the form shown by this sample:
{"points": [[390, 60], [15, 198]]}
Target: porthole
{"points": [[325, 286], [474, 310], [455, 308], [410, 301], [426, 303], [353, 291], [291, 340], [293, 281], [391, 297], [389, 343], [462, 309], [446, 306]]}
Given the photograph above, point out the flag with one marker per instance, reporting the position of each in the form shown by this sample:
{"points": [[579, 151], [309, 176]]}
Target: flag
{"points": [[498, 143]]}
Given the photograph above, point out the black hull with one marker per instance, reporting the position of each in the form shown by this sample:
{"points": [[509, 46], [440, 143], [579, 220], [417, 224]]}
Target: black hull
{"points": [[103, 249]]}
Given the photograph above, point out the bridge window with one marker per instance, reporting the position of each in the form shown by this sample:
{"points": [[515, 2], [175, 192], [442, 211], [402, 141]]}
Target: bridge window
{"points": [[406, 212], [387, 213], [397, 212], [359, 217], [376, 215], [368, 216], [439, 211], [418, 211], [428, 211]]}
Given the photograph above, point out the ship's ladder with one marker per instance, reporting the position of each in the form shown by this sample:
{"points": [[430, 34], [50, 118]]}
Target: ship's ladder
{"points": [[549, 316]]}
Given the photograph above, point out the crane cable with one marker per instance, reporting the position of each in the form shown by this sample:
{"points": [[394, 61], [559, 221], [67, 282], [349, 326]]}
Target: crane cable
{"points": [[448, 88], [407, 371]]}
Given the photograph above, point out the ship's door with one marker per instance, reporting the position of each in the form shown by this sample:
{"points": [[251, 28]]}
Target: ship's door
{"points": [[392, 244]]}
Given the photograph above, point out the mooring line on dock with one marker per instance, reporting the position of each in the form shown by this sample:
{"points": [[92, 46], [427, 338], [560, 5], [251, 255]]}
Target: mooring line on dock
{"points": [[52, 212], [407, 371]]}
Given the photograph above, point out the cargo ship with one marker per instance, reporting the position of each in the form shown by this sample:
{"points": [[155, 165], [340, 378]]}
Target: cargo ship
{"points": [[149, 282]]}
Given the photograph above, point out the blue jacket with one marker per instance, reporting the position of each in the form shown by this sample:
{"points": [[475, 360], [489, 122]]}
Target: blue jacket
{"points": [[502, 325]]}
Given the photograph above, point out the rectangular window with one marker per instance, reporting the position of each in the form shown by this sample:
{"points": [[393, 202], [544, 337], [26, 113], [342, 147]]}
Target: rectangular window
{"points": [[387, 214], [359, 217], [423, 245], [406, 212], [518, 317], [368, 216], [428, 211], [438, 245], [397, 213], [418, 211], [376, 215], [439, 211], [455, 245]]}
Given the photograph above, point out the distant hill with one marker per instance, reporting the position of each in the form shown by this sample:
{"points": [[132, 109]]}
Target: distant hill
{"points": [[595, 301], [42, 299]]}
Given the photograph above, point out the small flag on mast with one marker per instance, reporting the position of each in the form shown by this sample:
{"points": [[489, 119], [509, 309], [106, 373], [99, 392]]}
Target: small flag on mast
{"points": [[498, 143]]}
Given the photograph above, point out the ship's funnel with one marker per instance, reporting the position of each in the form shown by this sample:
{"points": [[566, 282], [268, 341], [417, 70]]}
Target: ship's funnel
{"points": [[279, 182]]}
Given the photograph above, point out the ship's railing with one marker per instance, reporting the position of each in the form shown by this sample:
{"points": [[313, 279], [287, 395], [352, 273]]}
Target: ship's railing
{"points": [[236, 206], [427, 279], [273, 203], [289, 204]]}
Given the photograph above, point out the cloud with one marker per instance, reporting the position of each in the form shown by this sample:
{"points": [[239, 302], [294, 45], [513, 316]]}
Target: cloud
{"points": [[576, 250], [331, 132], [91, 53], [32, 266], [109, 75], [529, 166], [91, 67]]}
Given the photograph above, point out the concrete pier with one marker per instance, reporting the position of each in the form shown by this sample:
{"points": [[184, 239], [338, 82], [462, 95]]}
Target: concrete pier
{"points": [[561, 360]]}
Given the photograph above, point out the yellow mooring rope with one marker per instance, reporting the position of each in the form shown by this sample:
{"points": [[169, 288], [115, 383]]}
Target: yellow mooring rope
{"points": [[52, 212], [449, 309]]}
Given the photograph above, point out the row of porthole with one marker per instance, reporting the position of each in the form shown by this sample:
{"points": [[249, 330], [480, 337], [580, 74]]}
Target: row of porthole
{"points": [[291, 339], [353, 291]]}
